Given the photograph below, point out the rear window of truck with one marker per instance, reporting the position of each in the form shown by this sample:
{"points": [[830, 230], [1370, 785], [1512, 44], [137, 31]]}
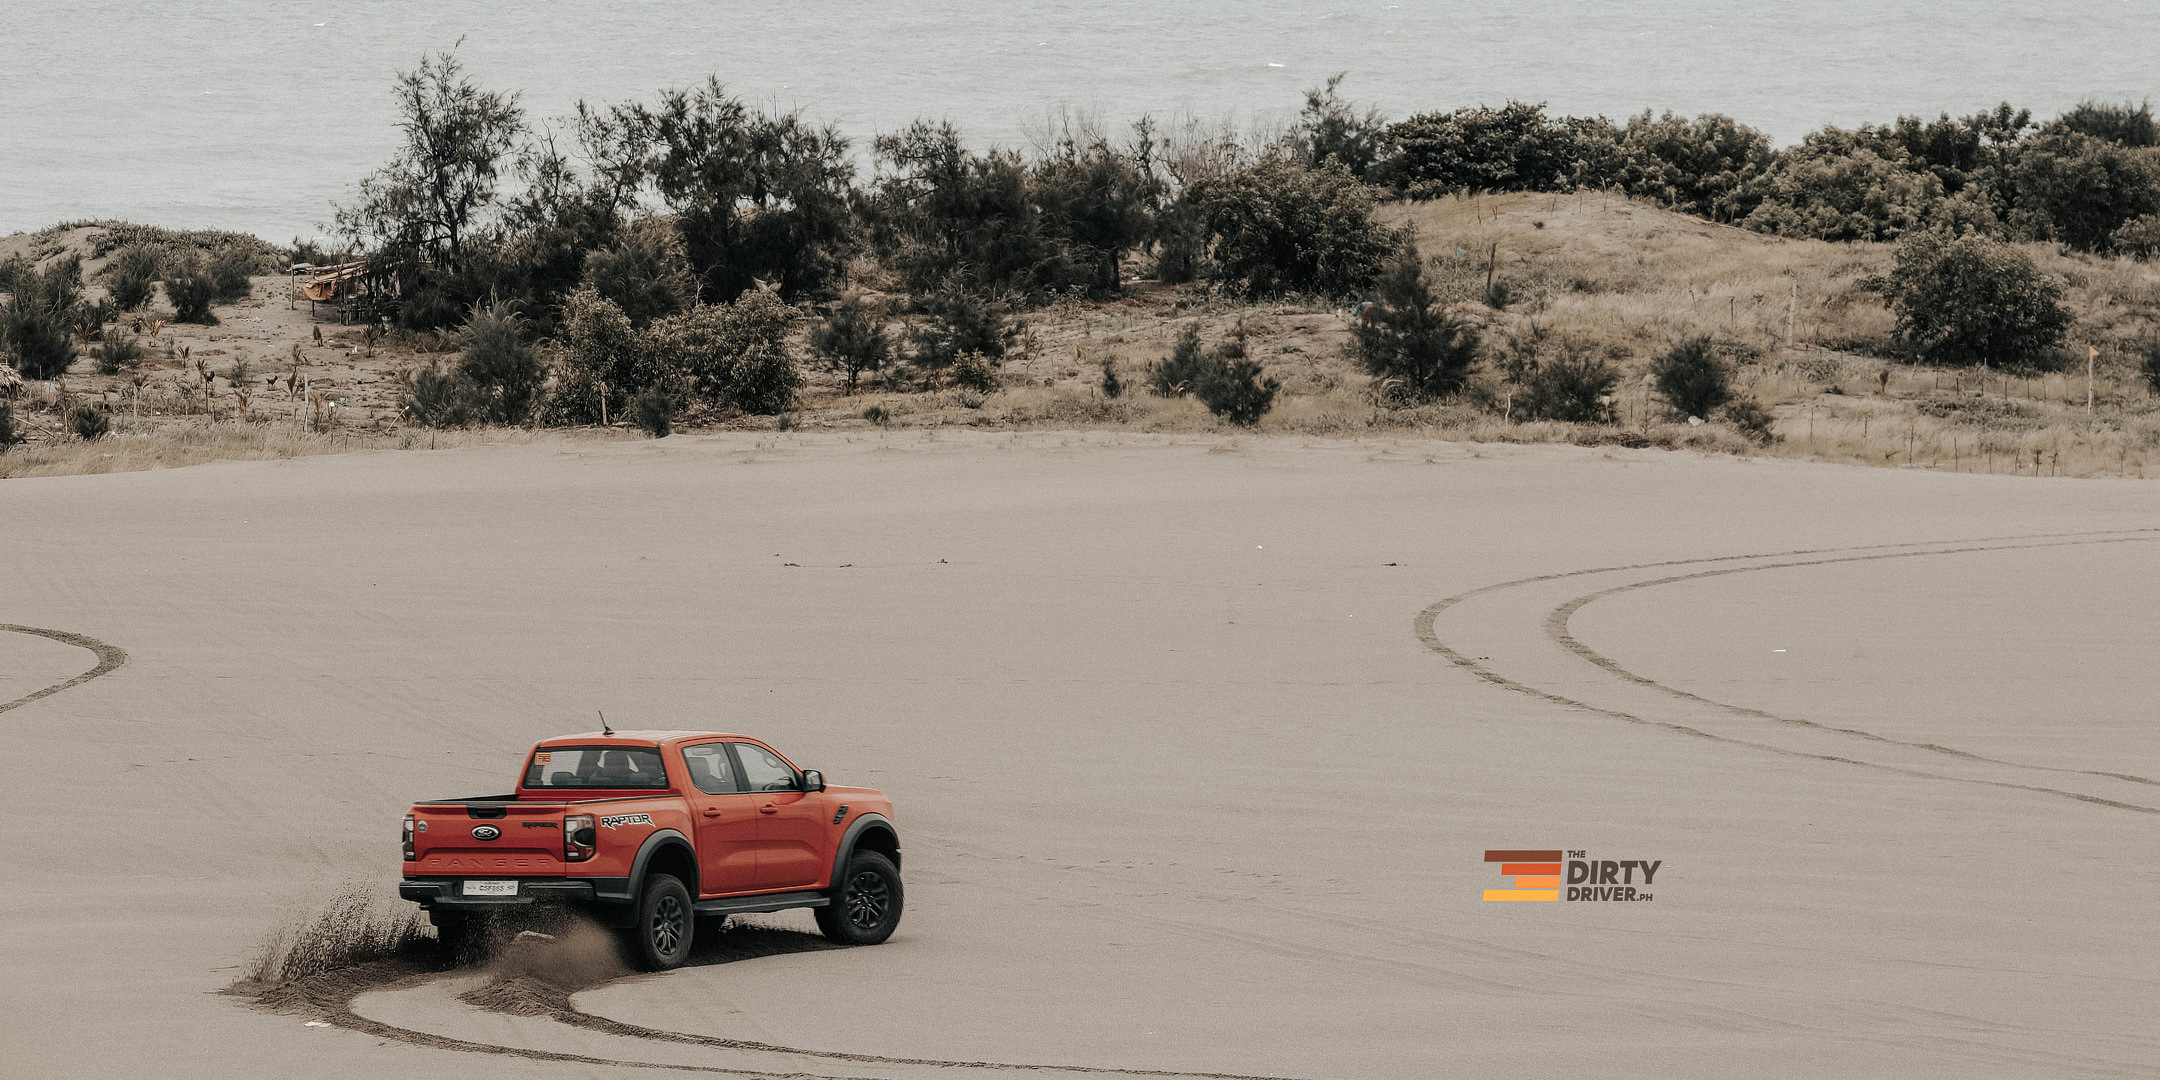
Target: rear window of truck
{"points": [[596, 767]]}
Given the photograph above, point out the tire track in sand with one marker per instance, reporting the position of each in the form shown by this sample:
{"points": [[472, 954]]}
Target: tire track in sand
{"points": [[110, 657], [1555, 625]]}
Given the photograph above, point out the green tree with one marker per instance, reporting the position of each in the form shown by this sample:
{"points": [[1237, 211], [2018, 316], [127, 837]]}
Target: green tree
{"points": [[499, 361], [851, 340], [645, 272], [1702, 166], [960, 322], [735, 355], [1692, 379], [1971, 300], [1408, 342], [2081, 189], [1331, 127], [1280, 227]]}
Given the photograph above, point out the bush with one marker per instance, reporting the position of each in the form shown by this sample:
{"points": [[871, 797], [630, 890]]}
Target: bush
{"points": [[1280, 227], [1702, 166], [1512, 148], [2150, 367], [131, 276], [1112, 386], [736, 355], [1234, 390], [118, 353], [2138, 238], [9, 436], [1407, 342], [1331, 127], [646, 272], [229, 272], [974, 371], [191, 290], [603, 362], [2080, 189], [1971, 300], [438, 397], [1571, 387], [37, 342], [960, 322], [499, 364], [851, 340], [1752, 420], [1692, 379], [1182, 369], [91, 423], [2124, 124], [1839, 186], [655, 413]]}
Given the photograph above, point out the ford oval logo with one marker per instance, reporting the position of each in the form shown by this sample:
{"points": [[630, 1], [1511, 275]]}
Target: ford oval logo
{"points": [[486, 832]]}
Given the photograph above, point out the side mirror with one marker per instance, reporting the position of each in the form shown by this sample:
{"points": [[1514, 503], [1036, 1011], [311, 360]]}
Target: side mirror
{"points": [[813, 780]]}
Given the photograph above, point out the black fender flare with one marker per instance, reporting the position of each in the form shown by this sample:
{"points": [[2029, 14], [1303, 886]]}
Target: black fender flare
{"points": [[862, 824], [660, 840]]}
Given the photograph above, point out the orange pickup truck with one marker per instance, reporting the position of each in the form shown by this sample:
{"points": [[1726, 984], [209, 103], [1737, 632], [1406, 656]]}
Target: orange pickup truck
{"points": [[648, 830]]}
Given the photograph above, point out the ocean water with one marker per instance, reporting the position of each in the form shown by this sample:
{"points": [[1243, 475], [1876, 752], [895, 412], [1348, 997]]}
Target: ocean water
{"points": [[257, 114]]}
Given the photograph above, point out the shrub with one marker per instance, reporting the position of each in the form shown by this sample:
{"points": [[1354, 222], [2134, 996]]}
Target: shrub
{"points": [[1692, 379], [1112, 386], [229, 272], [736, 355], [438, 397], [1839, 186], [119, 353], [9, 436], [851, 340], [1701, 166], [1095, 202], [499, 364], [1571, 387], [36, 341], [191, 290], [948, 213], [131, 276], [1280, 227], [1752, 420], [2080, 189], [646, 272], [1181, 370], [57, 288], [960, 322], [91, 423], [603, 362], [2124, 123], [1233, 389], [1331, 127], [2138, 238], [2150, 366], [877, 414], [1971, 300], [654, 411], [974, 371], [1512, 148], [1407, 342]]}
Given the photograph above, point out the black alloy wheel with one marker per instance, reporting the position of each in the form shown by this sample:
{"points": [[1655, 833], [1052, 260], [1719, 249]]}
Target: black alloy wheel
{"points": [[665, 926], [866, 906]]}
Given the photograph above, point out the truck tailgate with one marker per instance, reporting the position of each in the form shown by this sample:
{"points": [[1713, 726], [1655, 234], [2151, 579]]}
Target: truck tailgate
{"points": [[508, 838]]}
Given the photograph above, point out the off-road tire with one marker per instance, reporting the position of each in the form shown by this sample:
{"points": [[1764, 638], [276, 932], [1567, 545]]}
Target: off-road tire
{"points": [[866, 901], [458, 938], [666, 925]]}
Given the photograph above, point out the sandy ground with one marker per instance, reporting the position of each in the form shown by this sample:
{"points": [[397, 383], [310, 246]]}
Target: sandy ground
{"points": [[1196, 763]]}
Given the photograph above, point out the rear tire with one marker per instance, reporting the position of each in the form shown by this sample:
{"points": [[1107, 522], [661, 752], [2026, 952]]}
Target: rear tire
{"points": [[866, 901], [456, 937], [666, 925]]}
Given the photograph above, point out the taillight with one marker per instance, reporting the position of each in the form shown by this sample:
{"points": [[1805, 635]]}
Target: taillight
{"points": [[409, 856], [578, 838]]}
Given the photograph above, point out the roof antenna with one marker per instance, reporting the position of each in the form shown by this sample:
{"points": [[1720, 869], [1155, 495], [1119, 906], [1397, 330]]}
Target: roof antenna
{"points": [[604, 729]]}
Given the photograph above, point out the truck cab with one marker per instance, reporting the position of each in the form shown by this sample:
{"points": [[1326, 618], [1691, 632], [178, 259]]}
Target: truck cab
{"points": [[647, 830]]}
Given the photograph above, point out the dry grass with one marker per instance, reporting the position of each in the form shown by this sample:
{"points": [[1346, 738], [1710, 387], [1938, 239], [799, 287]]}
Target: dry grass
{"points": [[1625, 278]]}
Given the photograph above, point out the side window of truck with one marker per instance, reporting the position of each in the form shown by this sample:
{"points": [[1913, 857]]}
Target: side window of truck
{"points": [[710, 769], [762, 771]]}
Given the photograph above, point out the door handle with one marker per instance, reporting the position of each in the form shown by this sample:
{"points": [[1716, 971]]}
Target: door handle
{"points": [[769, 808], [714, 811]]}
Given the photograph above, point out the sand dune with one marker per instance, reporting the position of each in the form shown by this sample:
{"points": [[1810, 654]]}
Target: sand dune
{"points": [[1184, 787]]}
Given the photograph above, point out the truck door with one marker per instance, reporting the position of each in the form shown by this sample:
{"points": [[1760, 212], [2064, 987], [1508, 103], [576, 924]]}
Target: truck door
{"points": [[794, 832], [726, 819]]}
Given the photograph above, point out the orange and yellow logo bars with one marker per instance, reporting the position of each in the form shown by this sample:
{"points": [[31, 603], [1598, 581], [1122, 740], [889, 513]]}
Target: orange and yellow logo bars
{"points": [[1536, 874]]}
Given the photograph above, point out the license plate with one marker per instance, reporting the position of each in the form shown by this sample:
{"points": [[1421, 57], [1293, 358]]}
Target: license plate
{"points": [[491, 888]]}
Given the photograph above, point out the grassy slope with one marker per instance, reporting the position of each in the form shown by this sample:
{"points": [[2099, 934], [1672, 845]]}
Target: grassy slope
{"points": [[1623, 276]]}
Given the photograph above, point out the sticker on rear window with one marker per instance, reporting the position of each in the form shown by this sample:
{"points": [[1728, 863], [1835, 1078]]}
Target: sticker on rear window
{"points": [[625, 819], [543, 758]]}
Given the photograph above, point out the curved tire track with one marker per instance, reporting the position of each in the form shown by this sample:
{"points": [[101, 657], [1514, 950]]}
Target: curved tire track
{"points": [[110, 658], [1556, 628]]}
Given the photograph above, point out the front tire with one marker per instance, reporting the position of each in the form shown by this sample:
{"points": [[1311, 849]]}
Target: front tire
{"points": [[666, 925], [866, 902]]}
